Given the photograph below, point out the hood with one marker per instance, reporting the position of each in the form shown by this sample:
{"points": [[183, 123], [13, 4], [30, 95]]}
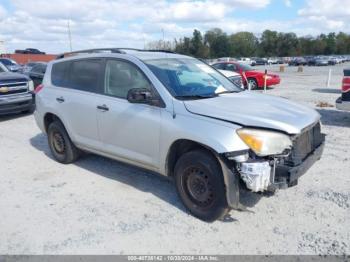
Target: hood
{"points": [[256, 110], [10, 77]]}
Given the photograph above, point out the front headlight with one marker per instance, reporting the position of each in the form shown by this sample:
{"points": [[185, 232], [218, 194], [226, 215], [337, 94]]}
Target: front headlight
{"points": [[264, 142], [30, 85]]}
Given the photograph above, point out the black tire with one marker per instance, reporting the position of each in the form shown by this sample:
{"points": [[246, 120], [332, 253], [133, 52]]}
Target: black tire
{"points": [[30, 110], [200, 185], [254, 83], [61, 146]]}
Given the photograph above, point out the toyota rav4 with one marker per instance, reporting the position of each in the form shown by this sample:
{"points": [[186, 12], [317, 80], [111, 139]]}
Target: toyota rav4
{"points": [[176, 116]]}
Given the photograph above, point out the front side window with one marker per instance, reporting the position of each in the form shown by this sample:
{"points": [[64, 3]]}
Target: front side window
{"points": [[121, 76], [190, 78]]}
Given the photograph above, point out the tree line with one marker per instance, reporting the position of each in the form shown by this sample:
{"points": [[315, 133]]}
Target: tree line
{"points": [[216, 43]]}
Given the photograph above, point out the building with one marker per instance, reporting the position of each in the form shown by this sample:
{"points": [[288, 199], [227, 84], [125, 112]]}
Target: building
{"points": [[25, 58]]}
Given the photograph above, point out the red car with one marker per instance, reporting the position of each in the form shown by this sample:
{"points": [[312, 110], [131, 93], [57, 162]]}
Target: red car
{"points": [[255, 78]]}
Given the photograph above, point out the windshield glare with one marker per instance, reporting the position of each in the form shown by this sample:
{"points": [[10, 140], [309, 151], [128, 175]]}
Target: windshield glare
{"points": [[246, 67], [188, 77]]}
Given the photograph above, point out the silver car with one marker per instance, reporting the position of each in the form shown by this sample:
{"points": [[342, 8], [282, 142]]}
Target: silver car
{"points": [[177, 116]]}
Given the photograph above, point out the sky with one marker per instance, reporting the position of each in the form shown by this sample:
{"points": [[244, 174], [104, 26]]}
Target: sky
{"points": [[43, 24]]}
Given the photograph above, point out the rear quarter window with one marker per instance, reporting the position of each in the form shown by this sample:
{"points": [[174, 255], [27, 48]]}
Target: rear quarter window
{"points": [[59, 74]]}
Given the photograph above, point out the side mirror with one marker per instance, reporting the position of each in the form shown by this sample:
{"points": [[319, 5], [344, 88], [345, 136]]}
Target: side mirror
{"points": [[140, 96]]}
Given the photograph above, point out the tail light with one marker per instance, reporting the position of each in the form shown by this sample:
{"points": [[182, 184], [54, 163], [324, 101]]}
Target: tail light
{"points": [[346, 84], [38, 88]]}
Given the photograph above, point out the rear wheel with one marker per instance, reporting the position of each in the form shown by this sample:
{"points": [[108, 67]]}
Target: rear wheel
{"points": [[200, 185], [253, 83], [61, 146]]}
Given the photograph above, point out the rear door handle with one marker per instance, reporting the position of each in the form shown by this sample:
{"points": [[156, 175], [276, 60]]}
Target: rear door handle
{"points": [[60, 99], [103, 108]]}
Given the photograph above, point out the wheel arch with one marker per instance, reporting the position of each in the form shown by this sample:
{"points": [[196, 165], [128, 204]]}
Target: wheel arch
{"points": [[231, 179], [49, 118], [180, 147]]}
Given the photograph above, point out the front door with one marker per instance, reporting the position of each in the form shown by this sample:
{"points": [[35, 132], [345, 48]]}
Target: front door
{"points": [[128, 131]]}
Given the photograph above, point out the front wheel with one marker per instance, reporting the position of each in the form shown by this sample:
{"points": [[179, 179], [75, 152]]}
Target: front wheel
{"points": [[253, 83], [200, 185]]}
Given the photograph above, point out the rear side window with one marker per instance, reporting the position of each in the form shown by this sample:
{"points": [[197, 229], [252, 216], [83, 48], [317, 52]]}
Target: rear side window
{"points": [[84, 75], [80, 74], [59, 74], [231, 67], [219, 66], [39, 69]]}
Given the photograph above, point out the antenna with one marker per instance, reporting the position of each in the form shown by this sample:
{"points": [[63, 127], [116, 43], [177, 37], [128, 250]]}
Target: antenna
{"points": [[69, 37], [2, 47]]}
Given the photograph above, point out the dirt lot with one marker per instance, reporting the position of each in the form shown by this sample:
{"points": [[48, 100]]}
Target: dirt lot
{"points": [[100, 206]]}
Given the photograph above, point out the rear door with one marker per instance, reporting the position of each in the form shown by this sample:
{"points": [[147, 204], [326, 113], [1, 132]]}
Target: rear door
{"points": [[76, 84], [128, 131]]}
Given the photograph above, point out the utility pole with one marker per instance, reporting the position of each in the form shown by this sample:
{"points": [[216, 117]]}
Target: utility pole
{"points": [[2, 47], [69, 37], [163, 39]]}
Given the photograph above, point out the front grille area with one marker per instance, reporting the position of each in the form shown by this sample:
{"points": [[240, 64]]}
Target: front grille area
{"points": [[11, 88], [304, 144]]}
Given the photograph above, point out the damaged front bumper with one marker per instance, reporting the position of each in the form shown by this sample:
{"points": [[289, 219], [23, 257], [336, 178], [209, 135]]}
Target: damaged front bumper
{"points": [[287, 176], [270, 173]]}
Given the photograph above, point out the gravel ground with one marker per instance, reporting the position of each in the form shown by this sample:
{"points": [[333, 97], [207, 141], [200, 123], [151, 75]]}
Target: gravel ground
{"points": [[100, 206]]}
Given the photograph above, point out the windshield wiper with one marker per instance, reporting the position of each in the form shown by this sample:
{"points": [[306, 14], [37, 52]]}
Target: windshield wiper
{"points": [[227, 92], [196, 96]]}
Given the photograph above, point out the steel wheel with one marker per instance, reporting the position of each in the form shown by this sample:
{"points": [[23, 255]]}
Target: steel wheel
{"points": [[198, 186], [58, 143]]}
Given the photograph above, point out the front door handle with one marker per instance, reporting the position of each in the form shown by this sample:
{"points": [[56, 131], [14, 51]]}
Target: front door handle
{"points": [[60, 99], [103, 108]]}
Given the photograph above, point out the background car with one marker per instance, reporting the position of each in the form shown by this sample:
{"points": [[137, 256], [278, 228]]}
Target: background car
{"points": [[16, 92], [234, 77], [298, 61], [30, 51], [259, 61], [10, 64], [27, 67], [249, 75], [321, 61], [37, 72]]}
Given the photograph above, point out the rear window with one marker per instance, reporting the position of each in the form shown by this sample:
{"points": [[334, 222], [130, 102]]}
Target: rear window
{"points": [[80, 74]]}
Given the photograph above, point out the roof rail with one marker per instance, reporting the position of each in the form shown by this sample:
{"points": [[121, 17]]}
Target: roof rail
{"points": [[90, 51], [118, 50], [161, 50]]}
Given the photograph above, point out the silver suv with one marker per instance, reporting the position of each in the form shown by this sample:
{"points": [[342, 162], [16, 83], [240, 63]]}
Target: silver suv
{"points": [[177, 116]]}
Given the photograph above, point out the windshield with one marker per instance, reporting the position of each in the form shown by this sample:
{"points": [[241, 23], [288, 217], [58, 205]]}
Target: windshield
{"points": [[8, 62], [188, 77], [3, 68], [246, 67]]}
